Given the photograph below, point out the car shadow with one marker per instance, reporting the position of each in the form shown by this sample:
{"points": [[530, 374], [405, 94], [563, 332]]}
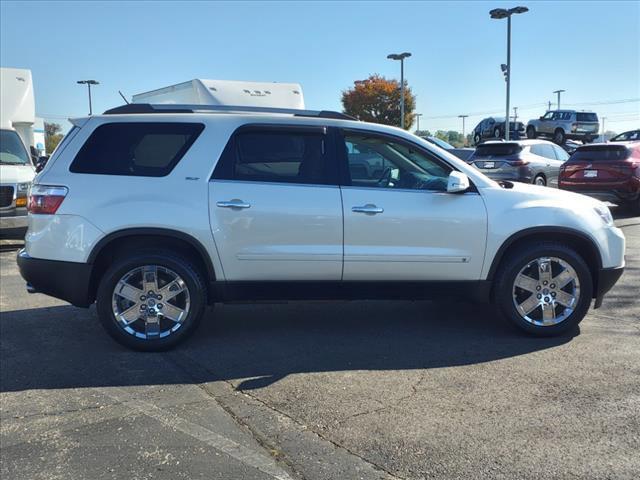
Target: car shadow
{"points": [[65, 347]]}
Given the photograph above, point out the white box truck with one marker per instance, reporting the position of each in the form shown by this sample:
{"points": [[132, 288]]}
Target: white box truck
{"points": [[227, 92]]}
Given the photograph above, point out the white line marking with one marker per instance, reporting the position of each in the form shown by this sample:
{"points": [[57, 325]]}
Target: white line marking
{"points": [[243, 454]]}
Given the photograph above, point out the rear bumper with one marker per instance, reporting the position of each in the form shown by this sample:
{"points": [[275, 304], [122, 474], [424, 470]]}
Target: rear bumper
{"points": [[606, 279], [602, 193], [67, 281]]}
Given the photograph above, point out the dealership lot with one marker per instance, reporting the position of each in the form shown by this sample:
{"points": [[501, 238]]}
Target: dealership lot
{"points": [[322, 390]]}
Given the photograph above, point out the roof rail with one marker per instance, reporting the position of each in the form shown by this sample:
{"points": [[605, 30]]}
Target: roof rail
{"points": [[132, 108]]}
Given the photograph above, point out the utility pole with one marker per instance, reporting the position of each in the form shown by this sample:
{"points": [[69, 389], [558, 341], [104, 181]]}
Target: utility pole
{"points": [[515, 114], [603, 130], [549, 107], [559, 92], [464, 136]]}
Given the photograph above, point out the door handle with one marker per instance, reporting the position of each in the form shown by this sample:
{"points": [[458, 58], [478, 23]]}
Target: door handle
{"points": [[235, 203], [368, 208]]}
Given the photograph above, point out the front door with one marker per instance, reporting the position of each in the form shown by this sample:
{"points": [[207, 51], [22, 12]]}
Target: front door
{"points": [[399, 222], [275, 207]]}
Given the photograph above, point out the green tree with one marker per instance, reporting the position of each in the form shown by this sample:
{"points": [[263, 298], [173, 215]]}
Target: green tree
{"points": [[377, 100], [52, 136]]}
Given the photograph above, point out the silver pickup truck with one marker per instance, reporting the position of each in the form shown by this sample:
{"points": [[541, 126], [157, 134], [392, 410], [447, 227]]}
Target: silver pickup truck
{"points": [[561, 125]]}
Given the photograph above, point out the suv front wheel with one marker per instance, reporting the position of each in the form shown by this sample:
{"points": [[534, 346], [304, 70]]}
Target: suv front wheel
{"points": [[531, 132], [151, 300], [544, 289]]}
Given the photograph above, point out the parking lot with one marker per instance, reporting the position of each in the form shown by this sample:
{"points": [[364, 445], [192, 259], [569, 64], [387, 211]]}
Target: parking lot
{"points": [[401, 390]]}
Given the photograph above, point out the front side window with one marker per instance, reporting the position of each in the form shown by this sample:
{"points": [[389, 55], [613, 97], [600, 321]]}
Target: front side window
{"points": [[380, 162], [543, 150], [12, 151], [150, 149], [548, 116], [275, 156], [561, 154]]}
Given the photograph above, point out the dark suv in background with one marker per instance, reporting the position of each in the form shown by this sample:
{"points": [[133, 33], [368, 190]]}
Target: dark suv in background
{"points": [[493, 128], [528, 161]]}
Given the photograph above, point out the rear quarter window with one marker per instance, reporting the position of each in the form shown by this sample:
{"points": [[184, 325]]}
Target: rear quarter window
{"points": [[150, 149]]}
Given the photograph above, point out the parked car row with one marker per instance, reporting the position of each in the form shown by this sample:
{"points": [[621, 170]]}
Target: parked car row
{"points": [[606, 171], [558, 125]]}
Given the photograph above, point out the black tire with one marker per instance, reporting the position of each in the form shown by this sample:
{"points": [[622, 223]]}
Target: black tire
{"points": [[477, 139], [559, 136], [177, 263], [531, 132], [587, 140], [518, 259], [540, 180], [496, 133]]}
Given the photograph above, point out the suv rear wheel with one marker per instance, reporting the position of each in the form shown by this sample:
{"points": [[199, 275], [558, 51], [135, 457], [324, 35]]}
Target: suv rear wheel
{"points": [[544, 288], [151, 300], [477, 139], [496, 132]]}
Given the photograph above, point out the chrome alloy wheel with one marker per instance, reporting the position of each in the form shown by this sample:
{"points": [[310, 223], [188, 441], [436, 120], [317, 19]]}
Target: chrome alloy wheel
{"points": [[546, 291], [150, 302]]}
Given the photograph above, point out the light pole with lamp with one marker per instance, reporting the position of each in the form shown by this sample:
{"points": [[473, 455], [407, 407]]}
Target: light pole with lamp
{"points": [[88, 83], [558, 92], [417, 115], [401, 57], [498, 14], [464, 137]]}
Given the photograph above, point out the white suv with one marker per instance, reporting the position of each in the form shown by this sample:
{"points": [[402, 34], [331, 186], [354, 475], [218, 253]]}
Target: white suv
{"points": [[155, 211]]}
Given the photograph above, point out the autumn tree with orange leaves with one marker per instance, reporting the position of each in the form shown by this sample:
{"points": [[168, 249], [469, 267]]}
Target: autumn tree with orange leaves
{"points": [[377, 100]]}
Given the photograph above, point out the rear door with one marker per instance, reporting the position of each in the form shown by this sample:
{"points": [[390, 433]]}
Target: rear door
{"points": [[275, 207], [547, 162], [399, 222]]}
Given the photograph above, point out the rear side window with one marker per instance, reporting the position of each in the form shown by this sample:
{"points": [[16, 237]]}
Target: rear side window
{"points": [[498, 149], [586, 117], [271, 155], [601, 153], [136, 149], [543, 150]]}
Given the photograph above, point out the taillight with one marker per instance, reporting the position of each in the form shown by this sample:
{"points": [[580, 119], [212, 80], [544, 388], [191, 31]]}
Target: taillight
{"points": [[518, 163], [45, 199]]}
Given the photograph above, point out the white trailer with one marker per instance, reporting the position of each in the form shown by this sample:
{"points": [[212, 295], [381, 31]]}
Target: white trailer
{"points": [[227, 92], [17, 103]]}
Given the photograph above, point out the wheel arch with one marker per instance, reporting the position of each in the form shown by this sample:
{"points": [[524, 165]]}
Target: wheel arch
{"points": [[115, 242], [579, 241]]}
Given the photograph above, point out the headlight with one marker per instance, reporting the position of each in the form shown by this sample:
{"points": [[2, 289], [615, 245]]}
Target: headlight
{"points": [[604, 213], [24, 187]]}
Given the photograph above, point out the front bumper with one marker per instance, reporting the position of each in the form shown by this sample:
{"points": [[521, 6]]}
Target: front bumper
{"points": [[14, 218], [606, 278], [67, 281]]}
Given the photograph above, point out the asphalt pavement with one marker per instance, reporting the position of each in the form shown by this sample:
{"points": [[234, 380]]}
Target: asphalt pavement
{"points": [[322, 390]]}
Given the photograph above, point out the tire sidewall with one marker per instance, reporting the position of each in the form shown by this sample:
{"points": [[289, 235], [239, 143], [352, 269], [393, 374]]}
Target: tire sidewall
{"points": [[559, 136], [181, 266], [507, 275], [531, 133]]}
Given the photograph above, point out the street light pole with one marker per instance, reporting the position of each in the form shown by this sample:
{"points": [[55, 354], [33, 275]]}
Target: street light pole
{"points": [[603, 137], [88, 83], [498, 14], [464, 137], [418, 115], [559, 92], [401, 57]]}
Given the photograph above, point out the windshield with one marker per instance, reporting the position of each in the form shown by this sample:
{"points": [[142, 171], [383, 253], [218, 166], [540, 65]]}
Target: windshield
{"points": [[12, 151]]}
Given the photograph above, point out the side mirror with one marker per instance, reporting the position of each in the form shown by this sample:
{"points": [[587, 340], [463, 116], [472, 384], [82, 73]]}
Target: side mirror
{"points": [[542, 118], [457, 182]]}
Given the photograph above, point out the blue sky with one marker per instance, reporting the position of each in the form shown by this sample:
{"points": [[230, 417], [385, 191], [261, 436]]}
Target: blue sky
{"points": [[590, 49]]}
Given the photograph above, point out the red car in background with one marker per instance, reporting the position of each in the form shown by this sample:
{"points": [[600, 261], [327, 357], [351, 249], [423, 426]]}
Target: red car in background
{"points": [[606, 171]]}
